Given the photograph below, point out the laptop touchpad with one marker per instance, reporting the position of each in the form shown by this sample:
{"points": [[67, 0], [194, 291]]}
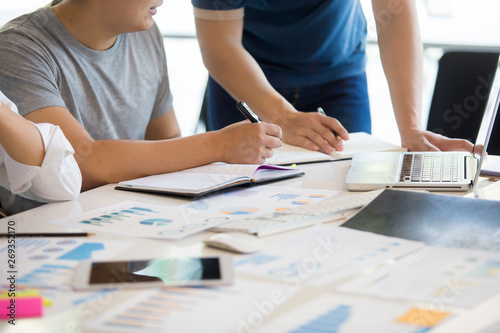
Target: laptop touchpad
{"points": [[375, 170]]}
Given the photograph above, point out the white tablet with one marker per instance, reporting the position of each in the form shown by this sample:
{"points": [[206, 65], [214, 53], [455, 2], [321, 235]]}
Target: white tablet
{"points": [[175, 271]]}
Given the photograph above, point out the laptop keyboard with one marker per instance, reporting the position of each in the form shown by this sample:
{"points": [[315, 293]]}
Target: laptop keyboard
{"points": [[330, 209], [432, 167]]}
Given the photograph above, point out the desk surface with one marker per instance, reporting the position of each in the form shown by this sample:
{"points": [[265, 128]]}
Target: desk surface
{"points": [[329, 176]]}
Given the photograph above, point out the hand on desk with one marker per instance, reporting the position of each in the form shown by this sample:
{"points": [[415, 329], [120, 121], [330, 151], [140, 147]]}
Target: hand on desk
{"points": [[249, 143], [419, 140], [313, 131]]}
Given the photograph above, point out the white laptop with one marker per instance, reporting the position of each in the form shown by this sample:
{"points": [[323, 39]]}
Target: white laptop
{"points": [[433, 171]]}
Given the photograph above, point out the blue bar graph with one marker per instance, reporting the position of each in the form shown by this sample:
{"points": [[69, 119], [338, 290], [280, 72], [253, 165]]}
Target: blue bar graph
{"points": [[258, 259], [329, 322], [142, 209], [83, 251], [45, 274], [285, 196]]}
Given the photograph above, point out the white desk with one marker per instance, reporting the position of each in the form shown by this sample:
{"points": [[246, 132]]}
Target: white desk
{"points": [[321, 175]]}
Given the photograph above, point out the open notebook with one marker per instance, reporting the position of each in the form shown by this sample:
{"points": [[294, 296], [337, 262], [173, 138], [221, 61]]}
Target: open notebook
{"points": [[208, 178], [358, 142]]}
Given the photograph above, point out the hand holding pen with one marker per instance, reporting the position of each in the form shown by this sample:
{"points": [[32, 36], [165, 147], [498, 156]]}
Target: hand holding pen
{"points": [[249, 114], [339, 138], [309, 130], [321, 111]]}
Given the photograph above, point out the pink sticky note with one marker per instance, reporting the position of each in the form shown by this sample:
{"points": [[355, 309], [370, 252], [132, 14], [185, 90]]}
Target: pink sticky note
{"points": [[21, 308]]}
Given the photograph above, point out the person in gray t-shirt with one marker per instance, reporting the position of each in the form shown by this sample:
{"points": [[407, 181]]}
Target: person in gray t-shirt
{"points": [[97, 69]]}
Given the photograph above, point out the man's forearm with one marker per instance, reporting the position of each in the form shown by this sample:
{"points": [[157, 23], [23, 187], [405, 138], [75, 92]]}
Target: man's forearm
{"points": [[402, 58], [237, 71], [111, 161]]}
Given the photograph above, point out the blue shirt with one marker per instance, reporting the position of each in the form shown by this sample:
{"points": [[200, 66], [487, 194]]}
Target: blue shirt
{"points": [[301, 42]]}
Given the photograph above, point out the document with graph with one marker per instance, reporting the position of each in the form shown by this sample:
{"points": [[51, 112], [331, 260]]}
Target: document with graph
{"points": [[349, 314], [221, 309], [323, 254], [459, 277], [158, 221], [50, 262]]}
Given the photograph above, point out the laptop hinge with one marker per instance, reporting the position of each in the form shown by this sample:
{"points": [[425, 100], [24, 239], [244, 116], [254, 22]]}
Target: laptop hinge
{"points": [[471, 165]]}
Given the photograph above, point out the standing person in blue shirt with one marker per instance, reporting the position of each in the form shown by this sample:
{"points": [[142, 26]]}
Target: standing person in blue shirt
{"points": [[282, 56]]}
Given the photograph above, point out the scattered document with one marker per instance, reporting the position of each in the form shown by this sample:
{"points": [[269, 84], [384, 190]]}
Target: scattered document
{"points": [[222, 309], [323, 254], [358, 142], [139, 219], [256, 200], [455, 277], [50, 262], [46, 268], [348, 314], [208, 178], [60, 300], [155, 221]]}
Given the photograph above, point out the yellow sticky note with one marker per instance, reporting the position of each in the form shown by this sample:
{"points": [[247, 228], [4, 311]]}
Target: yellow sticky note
{"points": [[423, 318], [24, 294], [46, 301], [294, 165], [20, 293]]}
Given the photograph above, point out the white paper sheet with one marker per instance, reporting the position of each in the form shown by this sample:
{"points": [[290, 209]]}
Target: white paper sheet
{"points": [[46, 267], [447, 276], [50, 262], [238, 308], [145, 220], [257, 200], [348, 314], [323, 254]]}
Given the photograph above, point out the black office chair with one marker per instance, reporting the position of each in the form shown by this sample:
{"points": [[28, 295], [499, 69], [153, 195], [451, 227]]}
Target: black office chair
{"points": [[460, 94]]}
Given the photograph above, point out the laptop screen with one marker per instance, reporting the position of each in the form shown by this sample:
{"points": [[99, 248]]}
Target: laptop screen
{"points": [[487, 123]]}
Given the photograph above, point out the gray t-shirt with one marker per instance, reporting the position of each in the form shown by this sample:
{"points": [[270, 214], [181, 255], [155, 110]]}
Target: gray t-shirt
{"points": [[112, 93]]}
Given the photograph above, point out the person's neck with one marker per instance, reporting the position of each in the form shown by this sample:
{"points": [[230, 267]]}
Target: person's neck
{"points": [[85, 25]]}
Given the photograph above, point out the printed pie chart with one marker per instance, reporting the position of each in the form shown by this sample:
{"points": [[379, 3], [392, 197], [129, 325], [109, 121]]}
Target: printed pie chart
{"points": [[239, 210], [300, 203], [156, 222], [317, 196]]}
